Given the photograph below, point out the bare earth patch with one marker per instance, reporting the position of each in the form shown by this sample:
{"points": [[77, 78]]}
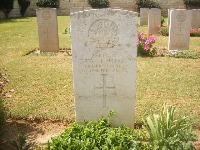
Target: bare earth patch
{"points": [[40, 133], [37, 133]]}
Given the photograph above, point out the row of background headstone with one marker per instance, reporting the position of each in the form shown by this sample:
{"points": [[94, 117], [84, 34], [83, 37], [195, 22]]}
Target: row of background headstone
{"points": [[180, 22], [195, 21], [151, 17], [179, 29], [195, 18], [48, 29]]}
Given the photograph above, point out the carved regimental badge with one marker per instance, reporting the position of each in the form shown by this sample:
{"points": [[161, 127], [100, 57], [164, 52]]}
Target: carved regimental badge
{"points": [[46, 15], [103, 33]]}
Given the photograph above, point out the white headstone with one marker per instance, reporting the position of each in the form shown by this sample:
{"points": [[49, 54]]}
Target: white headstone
{"points": [[104, 51], [179, 29], [47, 29], [154, 20], [144, 16], [195, 24], [168, 21]]}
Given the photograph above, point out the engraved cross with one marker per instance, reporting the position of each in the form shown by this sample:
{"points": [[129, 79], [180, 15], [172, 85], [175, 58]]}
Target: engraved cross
{"points": [[46, 31], [104, 88]]}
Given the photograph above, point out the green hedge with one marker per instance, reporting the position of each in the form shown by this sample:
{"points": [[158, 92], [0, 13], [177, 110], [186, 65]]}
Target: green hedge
{"points": [[48, 3], [147, 4], [6, 6], [23, 4], [192, 3], [99, 3]]}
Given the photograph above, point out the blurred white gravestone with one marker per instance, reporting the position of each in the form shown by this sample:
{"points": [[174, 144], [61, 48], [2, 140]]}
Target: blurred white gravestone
{"points": [[154, 20], [179, 29], [104, 51], [195, 23], [47, 29], [168, 20], [144, 16]]}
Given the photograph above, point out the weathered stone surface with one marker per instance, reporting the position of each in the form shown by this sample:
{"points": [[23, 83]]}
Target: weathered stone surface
{"points": [[47, 29], [104, 50], [195, 23], [168, 21], [154, 22], [179, 30], [144, 16]]}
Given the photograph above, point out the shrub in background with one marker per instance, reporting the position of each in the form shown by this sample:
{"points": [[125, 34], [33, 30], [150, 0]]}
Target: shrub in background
{"points": [[147, 4], [99, 3], [6, 6], [195, 32], [23, 4], [145, 44], [167, 131], [164, 31], [162, 21], [192, 3], [48, 3]]}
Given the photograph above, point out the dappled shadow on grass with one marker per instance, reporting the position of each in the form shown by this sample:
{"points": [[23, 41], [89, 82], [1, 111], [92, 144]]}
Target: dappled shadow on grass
{"points": [[14, 20], [62, 51], [37, 132], [11, 131]]}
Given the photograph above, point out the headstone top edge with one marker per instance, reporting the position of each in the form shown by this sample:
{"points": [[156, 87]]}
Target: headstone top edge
{"points": [[46, 8], [103, 9]]}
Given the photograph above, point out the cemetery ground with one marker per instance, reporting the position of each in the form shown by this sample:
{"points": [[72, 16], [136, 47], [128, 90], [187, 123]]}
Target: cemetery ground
{"points": [[42, 103]]}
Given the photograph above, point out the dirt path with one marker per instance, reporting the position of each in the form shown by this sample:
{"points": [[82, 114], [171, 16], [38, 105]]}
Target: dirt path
{"points": [[39, 133]]}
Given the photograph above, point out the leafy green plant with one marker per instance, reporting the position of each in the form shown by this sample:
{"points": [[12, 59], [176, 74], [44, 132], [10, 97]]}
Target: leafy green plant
{"points": [[6, 6], [147, 4], [48, 3], [168, 131], [97, 135], [162, 21], [21, 143], [185, 54], [192, 3], [23, 4], [99, 3], [164, 31]]}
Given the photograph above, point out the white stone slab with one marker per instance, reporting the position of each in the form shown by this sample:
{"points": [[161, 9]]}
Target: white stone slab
{"points": [[47, 29], [144, 16], [195, 23], [104, 51], [179, 30], [168, 20], [154, 20]]}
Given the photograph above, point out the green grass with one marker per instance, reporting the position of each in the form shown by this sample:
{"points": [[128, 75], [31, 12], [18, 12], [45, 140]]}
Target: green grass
{"points": [[44, 88]]}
